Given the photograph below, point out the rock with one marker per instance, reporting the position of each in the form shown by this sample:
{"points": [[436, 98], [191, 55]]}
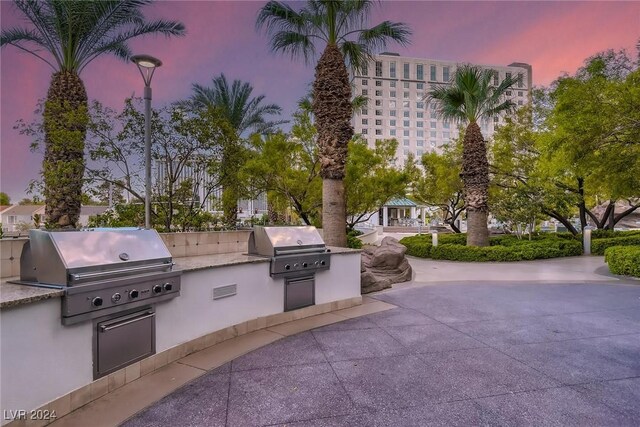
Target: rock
{"points": [[384, 265]]}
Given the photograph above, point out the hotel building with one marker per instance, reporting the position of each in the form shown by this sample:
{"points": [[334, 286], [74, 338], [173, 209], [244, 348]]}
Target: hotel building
{"points": [[396, 87]]}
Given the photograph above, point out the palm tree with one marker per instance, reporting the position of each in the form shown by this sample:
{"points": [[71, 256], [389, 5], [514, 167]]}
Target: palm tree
{"points": [[468, 98], [235, 103], [68, 35], [338, 27], [245, 114]]}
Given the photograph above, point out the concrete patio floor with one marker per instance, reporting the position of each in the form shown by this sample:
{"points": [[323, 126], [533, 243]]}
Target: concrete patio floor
{"points": [[491, 347]]}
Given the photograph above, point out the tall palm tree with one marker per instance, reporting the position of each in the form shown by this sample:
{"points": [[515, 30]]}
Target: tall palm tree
{"points": [[468, 98], [68, 35], [245, 115], [235, 103], [339, 28]]}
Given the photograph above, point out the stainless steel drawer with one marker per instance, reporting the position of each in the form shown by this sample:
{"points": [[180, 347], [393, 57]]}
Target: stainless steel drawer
{"points": [[299, 292], [122, 340]]}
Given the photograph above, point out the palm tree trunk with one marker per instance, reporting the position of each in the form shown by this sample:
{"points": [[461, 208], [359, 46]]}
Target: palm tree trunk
{"points": [[475, 176], [332, 110], [65, 124]]}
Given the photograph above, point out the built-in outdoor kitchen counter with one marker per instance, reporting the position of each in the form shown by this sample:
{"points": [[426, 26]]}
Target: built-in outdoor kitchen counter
{"points": [[222, 295]]}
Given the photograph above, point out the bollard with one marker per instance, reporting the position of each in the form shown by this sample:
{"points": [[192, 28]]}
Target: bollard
{"points": [[434, 239], [586, 240]]}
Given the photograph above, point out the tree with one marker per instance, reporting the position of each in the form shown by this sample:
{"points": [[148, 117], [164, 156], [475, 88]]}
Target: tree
{"points": [[372, 179], [245, 115], [187, 152], [74, 33], [4, 199], [469, 98], [440, 185], [340, 27], [287, 167]]}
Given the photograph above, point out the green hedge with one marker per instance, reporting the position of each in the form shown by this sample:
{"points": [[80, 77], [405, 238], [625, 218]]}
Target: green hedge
{"points": [[503, 248], [598, 246], [623, 260]]}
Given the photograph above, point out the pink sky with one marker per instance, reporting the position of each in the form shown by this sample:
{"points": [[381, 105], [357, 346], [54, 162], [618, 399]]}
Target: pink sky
{"points": [[553, 37]]}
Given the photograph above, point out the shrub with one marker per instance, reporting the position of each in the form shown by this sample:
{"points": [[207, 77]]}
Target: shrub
{"points": [[623, 260], [607, 234], [353, 242], [598, 246], [503, 248]]}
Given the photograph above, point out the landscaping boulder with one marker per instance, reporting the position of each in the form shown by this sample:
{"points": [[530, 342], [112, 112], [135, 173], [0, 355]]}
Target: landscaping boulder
{"points": [[384, 265]]}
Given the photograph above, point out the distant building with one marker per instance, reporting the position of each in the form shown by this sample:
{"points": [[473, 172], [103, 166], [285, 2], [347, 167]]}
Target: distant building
{"points": [[396, 87]]}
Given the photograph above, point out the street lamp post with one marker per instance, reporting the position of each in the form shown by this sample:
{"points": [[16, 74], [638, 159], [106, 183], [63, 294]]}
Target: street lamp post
{"points": [[147, 65]]}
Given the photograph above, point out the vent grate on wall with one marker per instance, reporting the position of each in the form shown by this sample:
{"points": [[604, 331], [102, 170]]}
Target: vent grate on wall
{"points": [[225, 291]]}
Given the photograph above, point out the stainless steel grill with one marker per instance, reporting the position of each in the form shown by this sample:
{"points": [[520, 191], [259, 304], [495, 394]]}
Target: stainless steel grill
{"points": [[293, 250], [102, 271], [296, 253]]}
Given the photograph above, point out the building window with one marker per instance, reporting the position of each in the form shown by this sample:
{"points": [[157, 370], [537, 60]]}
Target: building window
{"points": [[420, 124], [446, 135], [420, 143], [405, 104], [405, 142], [445, 124], [405, 85], [520, 103], [378, 102], [365, 131], [406, 151], [378, 131], [420, 134], [392, 104], [434, 114], [392, 132], [496, 77], [378, 122], [378, 93], [405, 95], [392, 122], [405, 114], [420, 115], [378, 68], [420, 105], [365, 69], [420, 86], [432, 72], [420, 152], [365, 111], [379, 83], [496, 120], [392, 113], [420, 73], [378, 112], [445, 74], [392, 94], [364, 82], [508, 93], [508, 75], [432, 134], [433, 144], [392, 84], [433, 125], [392, 69], [406, 70], [365, 92], [520, 93], [365, 121], [405, 123], [520, 80], [12, 219]]}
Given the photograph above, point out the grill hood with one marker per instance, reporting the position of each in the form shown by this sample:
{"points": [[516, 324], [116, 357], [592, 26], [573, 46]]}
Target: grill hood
{"points": [[66, 258], [274, 241]]}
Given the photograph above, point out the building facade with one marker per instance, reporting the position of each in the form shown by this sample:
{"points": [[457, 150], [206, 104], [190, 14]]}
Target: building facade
{"points": [[396, 87]]}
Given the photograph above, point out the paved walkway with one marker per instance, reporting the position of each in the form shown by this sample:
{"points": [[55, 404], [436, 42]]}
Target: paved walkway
{"points": [[502, 351]]}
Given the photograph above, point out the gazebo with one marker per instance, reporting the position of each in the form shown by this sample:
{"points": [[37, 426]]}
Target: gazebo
{"points": [[396, 211]]}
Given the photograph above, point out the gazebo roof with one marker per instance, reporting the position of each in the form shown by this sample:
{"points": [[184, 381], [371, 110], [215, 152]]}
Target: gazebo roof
{"points": [[401, 203]]}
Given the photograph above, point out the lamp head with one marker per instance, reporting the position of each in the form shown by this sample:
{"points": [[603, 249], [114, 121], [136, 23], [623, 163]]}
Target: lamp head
{"points": [[147, 65]]}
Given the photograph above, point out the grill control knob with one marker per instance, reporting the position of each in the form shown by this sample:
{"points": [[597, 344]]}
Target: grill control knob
{"points": [[316, 263], [322, 262], [96, 302], [133, 294], [116, 297], [304, 265], [157, 289], [167, 286], [287, 267]]}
